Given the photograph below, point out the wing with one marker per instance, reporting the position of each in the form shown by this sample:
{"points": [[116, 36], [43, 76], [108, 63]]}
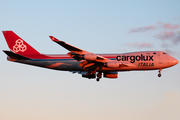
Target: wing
{"points": [[78, 53], [89, 61]]}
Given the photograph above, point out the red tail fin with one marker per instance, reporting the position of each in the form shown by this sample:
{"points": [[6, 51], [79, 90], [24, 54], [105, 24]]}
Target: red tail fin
{"points": [[17, 44]]}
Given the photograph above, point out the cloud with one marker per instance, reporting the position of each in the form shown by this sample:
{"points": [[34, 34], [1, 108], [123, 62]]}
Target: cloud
{"points": [[139, 45], [173, 36], [143, 29], [155, 27], [165, 35], [168, 26], [163, 31]]}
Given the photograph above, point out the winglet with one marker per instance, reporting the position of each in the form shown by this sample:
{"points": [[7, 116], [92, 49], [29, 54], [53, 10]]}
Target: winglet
{"points": [[54, 39]]}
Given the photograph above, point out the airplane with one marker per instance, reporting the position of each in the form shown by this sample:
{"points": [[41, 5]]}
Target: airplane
{"points": [[88, 64]]}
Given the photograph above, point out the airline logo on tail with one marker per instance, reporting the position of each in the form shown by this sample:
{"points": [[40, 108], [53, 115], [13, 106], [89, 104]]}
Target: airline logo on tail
{"points": [[19, 46]]}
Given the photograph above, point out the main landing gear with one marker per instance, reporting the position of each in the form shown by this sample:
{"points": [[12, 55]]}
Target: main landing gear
{"points": [[99, 75], [159, 75]]}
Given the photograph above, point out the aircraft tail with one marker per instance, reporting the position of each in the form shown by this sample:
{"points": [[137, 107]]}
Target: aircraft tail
{"points": [[18, 45]]}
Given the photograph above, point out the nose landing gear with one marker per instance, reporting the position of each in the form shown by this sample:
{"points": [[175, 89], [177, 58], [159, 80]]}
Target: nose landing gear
{"points": [[159, 75]]}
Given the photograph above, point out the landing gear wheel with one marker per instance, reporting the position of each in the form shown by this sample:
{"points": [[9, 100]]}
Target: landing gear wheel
{"points": [[99, 75], [159, 75], [97, 79]]}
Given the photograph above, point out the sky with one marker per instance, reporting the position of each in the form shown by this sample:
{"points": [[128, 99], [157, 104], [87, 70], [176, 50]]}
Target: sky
{"points": [[98, 26]]}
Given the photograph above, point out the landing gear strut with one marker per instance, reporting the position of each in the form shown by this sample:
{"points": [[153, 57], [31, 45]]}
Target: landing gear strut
{"points": [[159, 75], [99, 75]]}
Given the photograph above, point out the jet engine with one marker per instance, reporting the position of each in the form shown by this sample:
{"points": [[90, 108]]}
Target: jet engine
{"points": [[110, 74], [114, 64], [91, 57]]}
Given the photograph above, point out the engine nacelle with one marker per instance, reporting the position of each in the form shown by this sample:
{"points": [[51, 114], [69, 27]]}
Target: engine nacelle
{"points": [[111, 75], [114, 64], [91, 57]]}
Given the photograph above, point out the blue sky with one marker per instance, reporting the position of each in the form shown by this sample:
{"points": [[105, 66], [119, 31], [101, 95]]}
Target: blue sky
{"points": [[115, 26]]}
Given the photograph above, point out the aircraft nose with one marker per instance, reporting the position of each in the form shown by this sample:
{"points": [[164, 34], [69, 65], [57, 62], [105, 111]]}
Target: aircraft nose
{"points": [[174, 61]]}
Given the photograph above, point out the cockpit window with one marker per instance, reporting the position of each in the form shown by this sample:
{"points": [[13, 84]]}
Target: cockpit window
{"points": [[154, 53], [164, 53]]}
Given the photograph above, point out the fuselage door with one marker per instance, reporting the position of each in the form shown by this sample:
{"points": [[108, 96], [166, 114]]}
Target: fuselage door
{"points": [[160, 58]]}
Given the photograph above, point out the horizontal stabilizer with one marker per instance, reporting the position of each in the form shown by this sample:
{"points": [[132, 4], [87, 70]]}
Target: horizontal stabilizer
{"points": [[15, 56]]}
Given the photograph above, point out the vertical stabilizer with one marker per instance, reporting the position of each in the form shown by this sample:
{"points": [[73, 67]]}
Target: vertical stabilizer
{"points": [[18, 45]]}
